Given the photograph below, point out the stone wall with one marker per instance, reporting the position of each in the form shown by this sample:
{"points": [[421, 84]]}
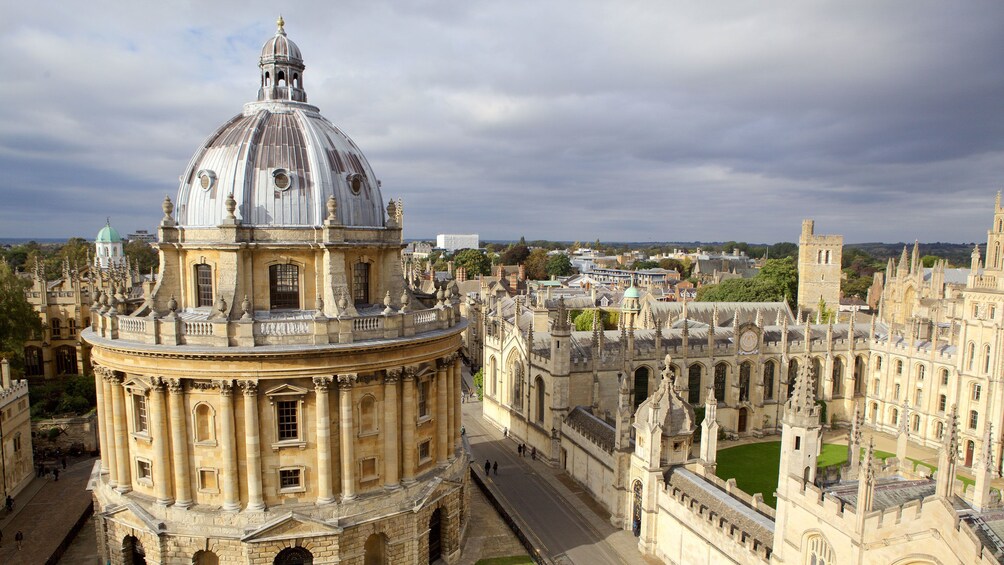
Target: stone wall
{"points": [[74, 431]]}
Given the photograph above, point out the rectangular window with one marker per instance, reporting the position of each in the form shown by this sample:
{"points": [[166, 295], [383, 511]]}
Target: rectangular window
{"points": [[424, 451], [918, 397], [286, 413], [207, 480], [977, 390], [284, 287], [974, 419], [291, 479], [204, 284], [139, 413], [143, 471], [942, 402], [944, 377], [17, 442], [897, 392], [423, 399], [361, 283]]}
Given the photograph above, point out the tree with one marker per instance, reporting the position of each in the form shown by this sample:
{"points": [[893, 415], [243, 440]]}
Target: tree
{"points": [[783, 249], [783, 274], [515, 254], [606, 319], [644, 264], [777, 281], [536, 265], [141, 255], [928, 261], [675, 265], [559, 265], [18, 320], [473, 261]]}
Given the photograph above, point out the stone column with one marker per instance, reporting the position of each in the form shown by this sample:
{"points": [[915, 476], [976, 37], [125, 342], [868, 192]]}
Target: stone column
{"points": [[323, 409], [162, 458], [124, 478], [348, 457], [451, 414], [390, 442], [252, 443], [441, 412], [99, 390], [408, 426], [228, 440], [179, 444], [458, 379], [108, 421]]}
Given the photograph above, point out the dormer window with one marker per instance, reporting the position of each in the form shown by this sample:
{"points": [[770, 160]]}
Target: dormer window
{"points": [[355, 181], [284, 287], [281, 179], [207, 179]]}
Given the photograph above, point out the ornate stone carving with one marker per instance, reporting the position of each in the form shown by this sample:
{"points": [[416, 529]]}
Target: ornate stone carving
{"points": [[226, 387], [392, 376], [176, 386], [157, 383], [250, 388], [345, 382], [204, 385], [322, 383], [410, 372]]}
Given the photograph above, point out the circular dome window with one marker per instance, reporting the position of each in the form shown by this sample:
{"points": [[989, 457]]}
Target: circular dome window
{"points": [[281, 179], [355, 182], [206, 179]]}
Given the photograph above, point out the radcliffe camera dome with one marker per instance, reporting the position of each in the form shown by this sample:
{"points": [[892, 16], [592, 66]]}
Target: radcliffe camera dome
{"points": [[280, 159]]}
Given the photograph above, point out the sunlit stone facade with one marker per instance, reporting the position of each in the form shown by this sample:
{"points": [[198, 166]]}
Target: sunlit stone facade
{"points": [[281, 397]]}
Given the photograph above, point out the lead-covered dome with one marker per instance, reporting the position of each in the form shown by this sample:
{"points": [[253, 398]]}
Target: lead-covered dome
{"points": [[280, 159]]}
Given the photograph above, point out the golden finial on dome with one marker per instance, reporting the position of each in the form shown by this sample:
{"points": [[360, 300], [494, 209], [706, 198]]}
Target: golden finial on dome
{"points": [[280, 23]]}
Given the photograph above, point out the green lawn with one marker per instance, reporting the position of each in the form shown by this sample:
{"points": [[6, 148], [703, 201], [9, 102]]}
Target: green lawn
{"points": [[755, 466]]}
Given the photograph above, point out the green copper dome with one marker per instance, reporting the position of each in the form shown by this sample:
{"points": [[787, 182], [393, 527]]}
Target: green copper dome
{"points": [[108, 234]]}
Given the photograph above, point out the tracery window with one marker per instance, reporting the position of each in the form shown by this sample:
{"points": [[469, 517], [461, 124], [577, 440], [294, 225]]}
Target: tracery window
{"points": [[838, 375], [57, 329], [768, 380], [721, 371], [694, 384], [818, 552], [744, 382]]}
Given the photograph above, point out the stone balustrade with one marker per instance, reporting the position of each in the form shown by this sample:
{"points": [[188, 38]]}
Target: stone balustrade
{"points": [[294, 328]]}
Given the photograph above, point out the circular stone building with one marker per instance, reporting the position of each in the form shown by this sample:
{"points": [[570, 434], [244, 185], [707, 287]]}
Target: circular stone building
{"points": [[281, 397]]}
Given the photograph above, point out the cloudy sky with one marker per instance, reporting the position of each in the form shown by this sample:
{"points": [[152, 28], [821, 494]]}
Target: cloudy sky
{"points": [[616, 120]]}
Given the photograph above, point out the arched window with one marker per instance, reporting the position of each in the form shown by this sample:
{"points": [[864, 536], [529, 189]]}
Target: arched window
{"points": [[640, 386], [918, 397], [132, 551], [939, 430], [838, 375], [942, 402], [284, 287], [33, 361], [205, 423], [895, 417], [694, 384], [493, 375], [916, 423], [296, 80], [875, 412], [974, 419], [944, 377], [203, 285], [899, 366], [970, 356], [859, 373], [817, 374], [375, 550], [818, 552], [294, 556], [986, 358], [367, 415], [792, 376], [827, 257], [516, 385], [768, 380], [977, 391], [744, 381], [877, 387], [921, 372], [819, 257], [57, 328], [280, 79], [539, 385], [878, 363], [66, 360], [361, 283], [268, 79], [721, 372], [205, 558]]}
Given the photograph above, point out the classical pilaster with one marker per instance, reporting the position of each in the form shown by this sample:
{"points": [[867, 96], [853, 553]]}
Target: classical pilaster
{"points": [[179, 444], [455, 399], [348, 457], [123, 478], [325, 494], [103, 435], [408, 426], [108, 421], [228, 440], [252, 444], [390, 426], [162, 458], [440, 412]]}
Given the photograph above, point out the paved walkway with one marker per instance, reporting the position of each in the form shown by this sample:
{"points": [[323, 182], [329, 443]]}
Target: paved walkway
{"points": [[567, 525], [45, 512], [487, 535]]}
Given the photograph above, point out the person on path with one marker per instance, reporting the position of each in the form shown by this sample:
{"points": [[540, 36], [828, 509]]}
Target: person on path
{"points": [[488, 468], [463, 431], [505, 432], [55, 474], [19, 538], [519, 450], [495, 467], [64, 462], [9, 503], [533, 453]]}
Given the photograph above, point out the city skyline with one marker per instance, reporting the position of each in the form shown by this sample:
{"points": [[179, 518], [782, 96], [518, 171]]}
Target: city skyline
{"points": [[555, 122]]}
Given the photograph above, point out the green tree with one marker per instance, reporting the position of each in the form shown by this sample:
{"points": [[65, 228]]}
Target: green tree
{"points": [[141, 255], [559, 265], [536, 265], [607, 319], [928, 261], [515, 254], [474, 261], [644, 264], [783, 274], [18, 320], [826, 315], [783, 249]]}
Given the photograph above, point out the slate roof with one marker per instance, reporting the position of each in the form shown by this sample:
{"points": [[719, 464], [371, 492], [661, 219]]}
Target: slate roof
{"points": [[722, 503], [889, 492], [599, 432]]}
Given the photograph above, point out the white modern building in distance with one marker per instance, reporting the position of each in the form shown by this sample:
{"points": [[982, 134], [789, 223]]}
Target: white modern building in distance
{"points": [[455, 242]]}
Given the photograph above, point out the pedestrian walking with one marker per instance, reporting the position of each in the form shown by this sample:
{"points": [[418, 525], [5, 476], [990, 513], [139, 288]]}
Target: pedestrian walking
{"points": [[488, 468], [519, 450], [505, 432], [463, 431], [55, 474], [19, 539], [495, 468], [64, 462], [9, 503], [533, 453]]}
